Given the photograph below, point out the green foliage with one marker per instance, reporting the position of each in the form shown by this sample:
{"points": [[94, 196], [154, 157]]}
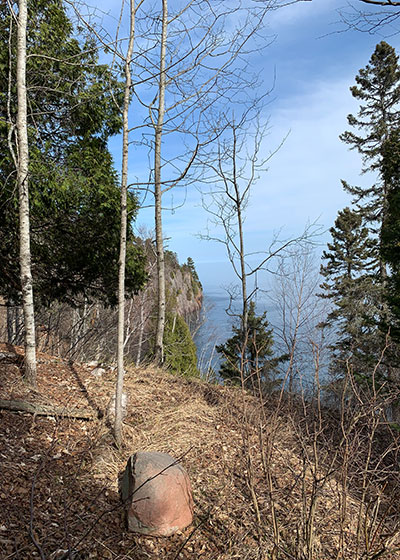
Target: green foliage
{"points": [[191, 267], [390, 246], [180, 350], [74, 192], [171, 259], [249, 353], [196, 284], [351, 286], [364, 240], [378, 88]]}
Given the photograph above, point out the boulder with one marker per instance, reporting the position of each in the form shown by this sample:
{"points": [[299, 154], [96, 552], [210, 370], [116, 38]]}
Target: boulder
{"points": [[157, 495]]}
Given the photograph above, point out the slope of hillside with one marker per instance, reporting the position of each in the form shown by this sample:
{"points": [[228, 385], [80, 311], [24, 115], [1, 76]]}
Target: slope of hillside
{"points": [[59, 475]]}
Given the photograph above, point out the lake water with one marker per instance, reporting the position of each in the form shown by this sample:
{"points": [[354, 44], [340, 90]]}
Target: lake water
{"points": [[216, 326]]}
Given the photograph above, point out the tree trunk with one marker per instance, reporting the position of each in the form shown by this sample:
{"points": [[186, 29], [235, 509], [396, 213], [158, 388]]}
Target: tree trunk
{"points": [[10, 322], [141, 330], [243, 275], [122, 254], [45, 410], [23, 192], [159, 346]]}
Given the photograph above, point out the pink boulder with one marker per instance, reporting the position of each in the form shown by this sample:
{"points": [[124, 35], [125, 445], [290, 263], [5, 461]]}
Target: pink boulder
{"points": [[157, 495]]}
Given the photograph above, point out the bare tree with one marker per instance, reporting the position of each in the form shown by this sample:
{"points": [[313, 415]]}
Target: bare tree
{"points": [[381, 2], [23, 190], [158, 129], [381, 13], [124, 218], [233, 169], [298, 310], [236, 170], [189, 60]]}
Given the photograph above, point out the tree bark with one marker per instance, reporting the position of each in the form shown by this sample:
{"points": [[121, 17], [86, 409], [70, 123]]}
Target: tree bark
{"points": [[124, 216], [141, 330], [43, 410], [23, 192], [159, 345], [10, 322]]}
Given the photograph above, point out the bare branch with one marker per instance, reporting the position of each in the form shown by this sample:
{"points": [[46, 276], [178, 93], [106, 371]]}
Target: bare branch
{"points": [[381, 2]]}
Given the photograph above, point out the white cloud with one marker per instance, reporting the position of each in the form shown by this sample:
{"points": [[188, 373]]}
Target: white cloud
{"points": [[300, 12], [303, 182]]}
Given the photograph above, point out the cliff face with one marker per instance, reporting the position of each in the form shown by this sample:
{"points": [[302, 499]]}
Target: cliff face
{"points": [[185, 295], [89, 332]]}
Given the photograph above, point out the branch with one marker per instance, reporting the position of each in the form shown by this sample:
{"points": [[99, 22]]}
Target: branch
{"points": [[381, 2], [42, 410]]}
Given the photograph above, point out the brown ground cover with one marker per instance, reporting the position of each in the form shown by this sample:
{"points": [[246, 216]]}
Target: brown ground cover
{"points": [[59, 476]]}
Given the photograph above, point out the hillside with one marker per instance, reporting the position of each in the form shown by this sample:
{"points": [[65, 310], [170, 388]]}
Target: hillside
{"points": [[58, 476], [89, 330]]}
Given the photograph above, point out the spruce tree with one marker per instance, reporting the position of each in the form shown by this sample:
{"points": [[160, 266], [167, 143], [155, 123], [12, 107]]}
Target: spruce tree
{"points": [[351, 286], [356, 271], [378, 89], [251, 351]]}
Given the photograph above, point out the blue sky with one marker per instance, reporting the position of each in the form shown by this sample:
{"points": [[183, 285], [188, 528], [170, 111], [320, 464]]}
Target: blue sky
{"points": [[314, 64]]}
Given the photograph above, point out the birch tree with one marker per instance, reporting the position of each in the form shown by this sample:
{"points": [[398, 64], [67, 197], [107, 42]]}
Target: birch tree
{"points": [[161, 302], [23, 193], [122, 255]]}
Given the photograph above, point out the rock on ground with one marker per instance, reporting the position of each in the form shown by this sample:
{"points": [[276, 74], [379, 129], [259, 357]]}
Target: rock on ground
{"points": [[157, 494]]}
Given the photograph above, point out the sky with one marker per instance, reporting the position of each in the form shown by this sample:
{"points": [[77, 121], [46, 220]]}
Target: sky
{"points": [[312, 63]]}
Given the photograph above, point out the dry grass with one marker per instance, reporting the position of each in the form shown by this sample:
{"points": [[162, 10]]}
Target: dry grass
{"points": [[61, 476]]}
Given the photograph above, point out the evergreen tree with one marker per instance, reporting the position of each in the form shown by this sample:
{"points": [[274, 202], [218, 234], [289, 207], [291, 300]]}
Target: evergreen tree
{"points": [[252, 351], [196, 284], [378, 88], [74, 189], [390, 247], [356, 272], [180, 350], [351, 286]]}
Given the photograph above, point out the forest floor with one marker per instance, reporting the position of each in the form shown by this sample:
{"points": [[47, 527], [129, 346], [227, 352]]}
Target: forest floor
{"points": [[59, 475]]}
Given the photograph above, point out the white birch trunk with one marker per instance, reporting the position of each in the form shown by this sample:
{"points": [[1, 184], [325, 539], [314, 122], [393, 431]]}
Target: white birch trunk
{"points": [[159, 345], [122, 254], [141, 329], [23, 193]]}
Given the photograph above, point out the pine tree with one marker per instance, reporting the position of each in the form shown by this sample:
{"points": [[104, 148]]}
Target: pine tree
{"points": [[251, 351]]}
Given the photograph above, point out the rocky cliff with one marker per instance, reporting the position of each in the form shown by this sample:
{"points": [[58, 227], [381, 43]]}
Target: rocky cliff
{"points": [[184, 290], [89, 332]]}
